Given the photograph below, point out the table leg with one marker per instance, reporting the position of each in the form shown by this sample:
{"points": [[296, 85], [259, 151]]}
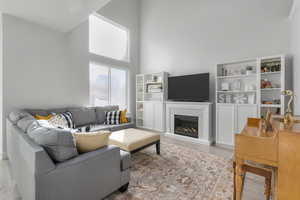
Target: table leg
{"points": [[239, 178], [158, 148]]}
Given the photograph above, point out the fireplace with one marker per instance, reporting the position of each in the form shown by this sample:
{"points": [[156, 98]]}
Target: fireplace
{"points": [[186, 125]]}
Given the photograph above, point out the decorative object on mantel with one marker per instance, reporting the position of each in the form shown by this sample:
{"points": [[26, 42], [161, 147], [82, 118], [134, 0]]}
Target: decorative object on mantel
{"points": [[266, 124], [251, 98], [154, 87], [240, 99], [222, 98], [249, 70], [225, 86], [288, 116]]}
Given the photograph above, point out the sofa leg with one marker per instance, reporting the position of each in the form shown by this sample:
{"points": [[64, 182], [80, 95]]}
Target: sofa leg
{"points": [[124, 188], [158, 148]]}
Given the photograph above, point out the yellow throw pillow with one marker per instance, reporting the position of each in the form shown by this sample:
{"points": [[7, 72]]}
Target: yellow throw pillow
{"points": [[123, 117], [87, 142], [40, 117]]}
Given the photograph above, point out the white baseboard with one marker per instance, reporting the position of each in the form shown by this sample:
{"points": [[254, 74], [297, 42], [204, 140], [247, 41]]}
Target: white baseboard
{"points": [[189, 139]]}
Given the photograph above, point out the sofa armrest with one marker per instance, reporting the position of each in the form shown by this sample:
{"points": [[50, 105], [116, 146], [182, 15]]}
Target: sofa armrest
{"points": [[81, 159], [23, 151], [91, 175]]}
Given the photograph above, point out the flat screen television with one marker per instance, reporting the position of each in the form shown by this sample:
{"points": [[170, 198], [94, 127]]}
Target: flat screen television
{"points": [[189, 88]]}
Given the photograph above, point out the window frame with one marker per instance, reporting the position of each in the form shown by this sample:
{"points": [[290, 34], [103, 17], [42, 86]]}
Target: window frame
{"points": [[128, 53], [127, 84]]}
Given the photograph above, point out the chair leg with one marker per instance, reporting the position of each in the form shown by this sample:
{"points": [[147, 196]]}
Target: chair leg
{"points": [[268, 187], [234, 176]]}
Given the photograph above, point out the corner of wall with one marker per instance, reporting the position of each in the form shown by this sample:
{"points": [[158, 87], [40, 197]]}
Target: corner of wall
{"points": [[2, 153]]}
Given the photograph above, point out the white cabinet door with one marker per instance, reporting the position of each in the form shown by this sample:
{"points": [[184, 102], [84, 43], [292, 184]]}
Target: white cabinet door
{"points": [[225, 124], [243, 112], [148, 115], [158, 116]]}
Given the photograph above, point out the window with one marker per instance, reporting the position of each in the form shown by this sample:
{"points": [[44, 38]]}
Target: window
{"points": [[108, 86], [108, 39]]}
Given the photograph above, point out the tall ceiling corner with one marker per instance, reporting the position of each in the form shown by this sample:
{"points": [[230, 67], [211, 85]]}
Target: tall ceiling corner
{"points": [[61, 15]]}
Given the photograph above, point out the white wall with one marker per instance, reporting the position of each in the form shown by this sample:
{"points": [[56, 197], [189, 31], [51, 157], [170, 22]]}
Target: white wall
{"points": [[36, 70], [185, 37], [295, 50]]}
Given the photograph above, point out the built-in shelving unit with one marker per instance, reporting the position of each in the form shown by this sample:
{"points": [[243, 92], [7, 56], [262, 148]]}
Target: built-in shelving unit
{"points": [[249, 88], [151, 93]]}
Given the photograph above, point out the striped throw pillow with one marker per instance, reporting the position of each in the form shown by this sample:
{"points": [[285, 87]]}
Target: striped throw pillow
{"points": [[113, 117], [63, 120]]}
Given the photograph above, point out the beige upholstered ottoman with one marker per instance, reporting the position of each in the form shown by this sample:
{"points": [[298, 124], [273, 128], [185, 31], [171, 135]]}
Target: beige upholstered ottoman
{"points": [[133, 140]]}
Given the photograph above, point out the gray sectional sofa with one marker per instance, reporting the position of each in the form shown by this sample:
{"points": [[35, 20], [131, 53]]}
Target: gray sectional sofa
{"points": [[89, 176]]}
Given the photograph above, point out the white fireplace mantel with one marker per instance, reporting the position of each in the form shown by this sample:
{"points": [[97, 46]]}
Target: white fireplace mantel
{"points": [[202, 110]]}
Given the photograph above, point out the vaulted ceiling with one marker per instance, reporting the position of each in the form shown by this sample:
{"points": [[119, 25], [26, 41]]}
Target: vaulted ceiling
{"points": [[62, 15]]}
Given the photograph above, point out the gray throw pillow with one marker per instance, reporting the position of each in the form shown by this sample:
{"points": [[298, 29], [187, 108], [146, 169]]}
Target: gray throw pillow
{"points": [[15, 116], [25, 123], [58, 143], [83, 116], [100, 113]]}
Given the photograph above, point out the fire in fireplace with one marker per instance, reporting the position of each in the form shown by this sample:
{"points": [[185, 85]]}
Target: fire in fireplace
{"points": [[186, 126]]}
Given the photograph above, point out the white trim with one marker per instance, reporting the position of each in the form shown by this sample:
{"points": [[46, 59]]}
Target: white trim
{"points": [[293, 9]]}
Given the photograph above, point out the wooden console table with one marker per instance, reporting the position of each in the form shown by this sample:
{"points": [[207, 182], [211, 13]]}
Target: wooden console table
{"points": [[279, 149]]}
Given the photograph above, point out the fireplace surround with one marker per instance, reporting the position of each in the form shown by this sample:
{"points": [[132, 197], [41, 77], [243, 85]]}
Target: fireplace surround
{"points": [[189, 121]]}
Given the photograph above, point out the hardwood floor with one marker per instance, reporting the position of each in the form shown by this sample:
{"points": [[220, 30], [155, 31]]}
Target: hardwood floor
{"points": [[254, 185]]}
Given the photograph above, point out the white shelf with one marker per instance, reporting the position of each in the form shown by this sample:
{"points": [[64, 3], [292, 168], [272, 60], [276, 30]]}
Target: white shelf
{"points": [[237, 104], [270, 89], [249, 91], [154, 83], [270, 73], [270, 106], [231, 117], [238, 76]]}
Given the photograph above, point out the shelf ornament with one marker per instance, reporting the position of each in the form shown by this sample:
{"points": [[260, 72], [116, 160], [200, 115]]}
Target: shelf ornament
{"points": [[288, 116]]}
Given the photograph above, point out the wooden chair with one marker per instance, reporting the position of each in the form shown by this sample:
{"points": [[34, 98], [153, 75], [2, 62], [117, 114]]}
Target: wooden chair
{"points": [[255, 169], [264, 172]]}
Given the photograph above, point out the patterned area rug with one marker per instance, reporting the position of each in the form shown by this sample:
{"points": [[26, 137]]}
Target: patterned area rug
{"points": [[180, 173]]}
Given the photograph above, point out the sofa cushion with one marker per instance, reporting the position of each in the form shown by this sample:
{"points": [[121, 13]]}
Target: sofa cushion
{"points": [[58, 143], [113, 117], [25, 122], [125, 160], [99, 127], [57, 110], [87, 142], [100, 112], [122, 126], [15, 116], [123, 117], [83, 116], [35, 112], [63, 120], [40, 117]]}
